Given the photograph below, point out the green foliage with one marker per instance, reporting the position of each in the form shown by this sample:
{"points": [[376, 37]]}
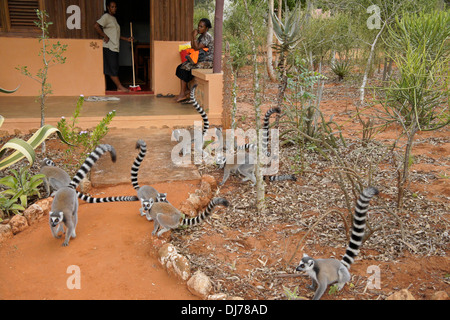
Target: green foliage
{"points": [[417, 98], [82, 141], [19, 187], [236, 30], [9, 205], [304, 122], [204, 9], [419, 47], [334, 289], [291, 295], [22, 181]]}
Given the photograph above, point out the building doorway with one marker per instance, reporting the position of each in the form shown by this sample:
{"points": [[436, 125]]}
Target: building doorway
{"points": [[137, 12]]}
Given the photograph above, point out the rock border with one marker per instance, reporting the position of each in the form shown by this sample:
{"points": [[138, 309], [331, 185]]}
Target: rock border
{"points": [[30, 216], [199, 284]]}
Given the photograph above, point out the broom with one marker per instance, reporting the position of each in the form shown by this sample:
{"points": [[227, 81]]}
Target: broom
{"points": [[134, 87]]}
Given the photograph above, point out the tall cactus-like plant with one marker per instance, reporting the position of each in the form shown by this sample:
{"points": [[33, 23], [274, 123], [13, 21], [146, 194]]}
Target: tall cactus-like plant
{"points": [[288, 34]]}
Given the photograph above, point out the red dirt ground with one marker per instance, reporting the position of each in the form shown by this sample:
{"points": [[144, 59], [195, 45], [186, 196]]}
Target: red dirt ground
{"points": [[113, 250]]}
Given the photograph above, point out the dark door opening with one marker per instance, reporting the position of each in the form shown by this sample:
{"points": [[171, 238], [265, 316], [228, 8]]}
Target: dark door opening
{"points": [[137, 12]]}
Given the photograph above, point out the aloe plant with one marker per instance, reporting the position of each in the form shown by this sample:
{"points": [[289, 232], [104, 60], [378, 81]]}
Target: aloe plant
{"points": [[288, 35], [26, 148]]}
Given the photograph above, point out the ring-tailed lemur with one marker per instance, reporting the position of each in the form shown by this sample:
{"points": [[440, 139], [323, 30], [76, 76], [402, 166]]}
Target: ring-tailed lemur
{"points": [[57, 178], [177, 135], [64, 209], [145, 193], [166, 216], [248, 167], [327, 271], [265, 129], [199, 109]]}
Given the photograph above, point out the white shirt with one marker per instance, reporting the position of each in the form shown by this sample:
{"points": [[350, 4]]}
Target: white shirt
{"points": [[112, 29]]}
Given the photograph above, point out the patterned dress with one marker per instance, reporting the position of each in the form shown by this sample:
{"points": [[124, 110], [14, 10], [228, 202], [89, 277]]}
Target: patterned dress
{"points": [[208, 41]]}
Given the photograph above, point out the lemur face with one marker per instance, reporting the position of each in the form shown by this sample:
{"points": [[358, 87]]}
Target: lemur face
{"points": [[56, 218], [307, 263]]}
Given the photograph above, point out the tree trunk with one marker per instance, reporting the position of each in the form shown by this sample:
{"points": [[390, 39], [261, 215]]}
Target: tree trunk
{"points": [[270, 70], [260, 188], [218, 27], [404, 177], [369, 63]]}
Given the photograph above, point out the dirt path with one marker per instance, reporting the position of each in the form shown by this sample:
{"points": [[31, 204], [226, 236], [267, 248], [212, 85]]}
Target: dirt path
{"points": [[113, 250]]}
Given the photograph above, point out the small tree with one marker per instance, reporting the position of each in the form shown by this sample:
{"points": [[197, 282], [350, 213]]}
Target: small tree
{"points": [[51, 54], [418, 98]]}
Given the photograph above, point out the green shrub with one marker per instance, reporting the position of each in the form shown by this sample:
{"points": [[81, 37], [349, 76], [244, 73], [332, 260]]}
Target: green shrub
{"points": [[82, 141], [22, 180]]}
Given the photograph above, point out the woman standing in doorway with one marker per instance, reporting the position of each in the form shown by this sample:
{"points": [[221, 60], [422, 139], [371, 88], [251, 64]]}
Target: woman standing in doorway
{"points": [[108, 28], [204, 40]]}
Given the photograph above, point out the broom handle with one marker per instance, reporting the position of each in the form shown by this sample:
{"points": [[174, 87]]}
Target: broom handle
{"points": [[132, 53]]}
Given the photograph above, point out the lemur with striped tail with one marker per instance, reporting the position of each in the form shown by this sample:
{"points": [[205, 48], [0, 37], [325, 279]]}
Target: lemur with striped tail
{"points": [[166, 216], [247, 168], [64, 209], [324, 272], [56, 178], [144, 193]]}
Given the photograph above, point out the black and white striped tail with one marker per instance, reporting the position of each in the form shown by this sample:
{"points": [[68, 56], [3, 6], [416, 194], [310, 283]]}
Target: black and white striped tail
{"points": [[265, 128], [90, 199], [199, 109], [89, 163], [142, 146], [282, 177], [201, 217], [359, 225], [247, 146]]}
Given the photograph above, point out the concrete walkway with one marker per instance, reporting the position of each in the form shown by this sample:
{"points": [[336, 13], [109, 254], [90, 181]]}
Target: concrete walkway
{"points": [[156, 167], [132, 111], [138, 117]]}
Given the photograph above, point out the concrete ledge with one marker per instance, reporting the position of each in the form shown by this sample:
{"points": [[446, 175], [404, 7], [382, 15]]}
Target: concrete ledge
{"points": [[25, 125], [210, 93]]}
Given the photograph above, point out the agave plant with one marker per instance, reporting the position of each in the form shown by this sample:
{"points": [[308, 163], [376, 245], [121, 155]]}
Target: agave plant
{"points": [[26, 148], [341, 68]]}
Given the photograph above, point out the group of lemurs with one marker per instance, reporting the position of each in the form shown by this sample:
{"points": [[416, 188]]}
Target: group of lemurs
{"points": [[156, 208]]}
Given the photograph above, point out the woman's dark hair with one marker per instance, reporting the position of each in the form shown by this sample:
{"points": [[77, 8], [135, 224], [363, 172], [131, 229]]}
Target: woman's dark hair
{"points": [[206, 22], [108, 3]]}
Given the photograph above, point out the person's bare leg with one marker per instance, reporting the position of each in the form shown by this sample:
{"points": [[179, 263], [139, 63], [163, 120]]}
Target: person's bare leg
{"points": [[120, 87], [183, 90]]}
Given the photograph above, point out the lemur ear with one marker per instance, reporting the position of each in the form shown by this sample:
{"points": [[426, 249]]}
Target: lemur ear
{"points": [[305, 255]]}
